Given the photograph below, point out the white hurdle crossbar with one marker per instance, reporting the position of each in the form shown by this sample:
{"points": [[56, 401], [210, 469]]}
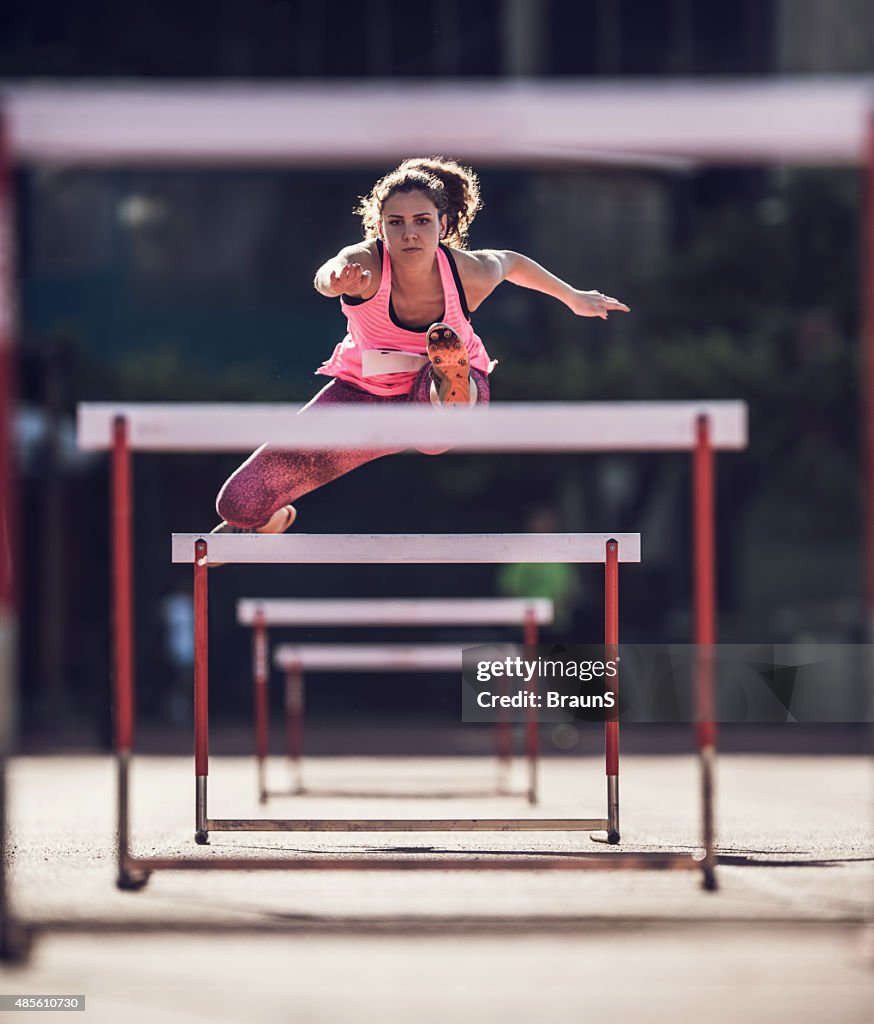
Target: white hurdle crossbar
{"points": [[510, 426], [263, 613], [394, 611], [369, 657], [409, 549], [607, 549]]}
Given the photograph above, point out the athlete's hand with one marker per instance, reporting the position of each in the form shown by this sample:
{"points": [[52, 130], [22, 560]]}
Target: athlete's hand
{"points": [[353, 279], [596, 304]]}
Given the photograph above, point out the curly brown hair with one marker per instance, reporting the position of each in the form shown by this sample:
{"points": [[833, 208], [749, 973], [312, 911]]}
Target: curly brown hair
{"points": [[453, 189]]}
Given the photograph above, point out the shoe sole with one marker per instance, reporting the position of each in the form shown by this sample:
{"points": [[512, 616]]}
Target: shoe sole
{"points": [[450, 364]]}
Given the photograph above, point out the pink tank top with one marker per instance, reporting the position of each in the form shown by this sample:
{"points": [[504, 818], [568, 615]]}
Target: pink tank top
{"points": [[370, 326]]}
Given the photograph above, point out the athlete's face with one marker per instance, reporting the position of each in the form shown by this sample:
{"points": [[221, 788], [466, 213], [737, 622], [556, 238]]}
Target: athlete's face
{"points": [[411, 226]]}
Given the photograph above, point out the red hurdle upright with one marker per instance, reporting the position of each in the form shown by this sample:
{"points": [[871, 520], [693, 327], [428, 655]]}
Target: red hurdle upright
{"points": [[531, 725], [294, 710], [123, 646], [611, 724], [705, 633], [260, 677], [15, 936]]}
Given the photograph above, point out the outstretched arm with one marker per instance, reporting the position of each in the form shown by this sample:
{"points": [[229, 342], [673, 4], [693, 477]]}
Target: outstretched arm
{"points": [[496, 265], [350, 272]]}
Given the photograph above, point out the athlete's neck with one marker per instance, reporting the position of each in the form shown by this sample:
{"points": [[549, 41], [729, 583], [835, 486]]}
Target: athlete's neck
{"points": [[410, 278]]}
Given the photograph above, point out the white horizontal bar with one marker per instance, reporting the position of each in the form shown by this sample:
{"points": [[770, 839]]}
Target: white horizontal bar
{"points": [[422, 548], [816, 119], [369, 657], [507, 427], [407, 611]]}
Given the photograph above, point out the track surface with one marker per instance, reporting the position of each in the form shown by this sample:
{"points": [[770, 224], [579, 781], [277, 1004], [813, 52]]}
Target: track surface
{"points": [[785, 939]]}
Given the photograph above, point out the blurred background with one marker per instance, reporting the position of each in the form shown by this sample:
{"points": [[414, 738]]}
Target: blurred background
{"points": [[169, 284]]}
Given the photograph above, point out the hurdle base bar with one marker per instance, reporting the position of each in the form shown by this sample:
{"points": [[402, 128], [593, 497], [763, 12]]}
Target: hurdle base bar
{"points": [[425, 794], [406, 824], [645, 861]]}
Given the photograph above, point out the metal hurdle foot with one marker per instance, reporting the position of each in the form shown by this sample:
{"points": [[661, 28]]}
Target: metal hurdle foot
{"points": [[201, 832], [128, 879]]}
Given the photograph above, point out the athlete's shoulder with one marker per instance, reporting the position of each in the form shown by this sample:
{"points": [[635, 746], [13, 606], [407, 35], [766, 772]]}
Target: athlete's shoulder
{"points": [[480, 272], [478, 264]]}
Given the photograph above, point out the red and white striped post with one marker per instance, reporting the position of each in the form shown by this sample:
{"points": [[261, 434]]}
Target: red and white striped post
{"points": [[260, 677], [201, 688], [611, 723], [705, 633], [531, 726]]}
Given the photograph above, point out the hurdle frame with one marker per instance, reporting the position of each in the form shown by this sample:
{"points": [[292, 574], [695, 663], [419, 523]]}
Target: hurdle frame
{"points": [[263, 613], [611, 549], [140, 868], [699, 428]]}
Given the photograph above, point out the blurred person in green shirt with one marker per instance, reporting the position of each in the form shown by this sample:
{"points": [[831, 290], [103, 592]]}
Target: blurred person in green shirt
{"points": [[556, 580]]}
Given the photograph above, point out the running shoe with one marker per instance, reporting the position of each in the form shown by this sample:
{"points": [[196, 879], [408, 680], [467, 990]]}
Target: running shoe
{"points": [[450, 367], [291, 514]]}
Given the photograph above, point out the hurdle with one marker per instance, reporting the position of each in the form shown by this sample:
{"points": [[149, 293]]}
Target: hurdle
{"points": [[222, 549], [263, 613], [699, 428], [416, 549]]}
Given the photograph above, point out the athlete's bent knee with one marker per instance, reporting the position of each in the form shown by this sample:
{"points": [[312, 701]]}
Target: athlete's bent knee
{"points": [[242, 505]]}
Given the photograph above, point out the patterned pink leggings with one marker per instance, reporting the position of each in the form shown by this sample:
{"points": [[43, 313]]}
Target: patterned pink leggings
{"points": [[273, 477]]}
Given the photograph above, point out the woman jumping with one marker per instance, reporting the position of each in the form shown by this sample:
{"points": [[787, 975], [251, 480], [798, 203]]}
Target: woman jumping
{"points": [[407, 292]]}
